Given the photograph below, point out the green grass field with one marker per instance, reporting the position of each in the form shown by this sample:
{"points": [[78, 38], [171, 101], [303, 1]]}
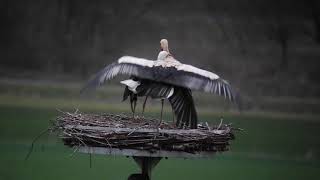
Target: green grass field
{"points": [[273, 145]]}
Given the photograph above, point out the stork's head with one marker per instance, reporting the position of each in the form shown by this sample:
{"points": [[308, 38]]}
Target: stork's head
{"points": [[163, 55], [164, 45]]}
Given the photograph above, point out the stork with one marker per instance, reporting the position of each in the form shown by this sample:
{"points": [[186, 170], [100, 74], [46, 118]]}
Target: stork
{"points": [[142, 87], [167, 78]]}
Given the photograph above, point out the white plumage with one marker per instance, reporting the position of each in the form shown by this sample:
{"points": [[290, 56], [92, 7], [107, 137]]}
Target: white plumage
{"points": [[201, 72], [162, 55], [132, 85], [136, 61], [170, 93]]}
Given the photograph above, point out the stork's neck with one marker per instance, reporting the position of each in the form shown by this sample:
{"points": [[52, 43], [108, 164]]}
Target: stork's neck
{"points": [[163, 55], [169, 57], [166, 48]]}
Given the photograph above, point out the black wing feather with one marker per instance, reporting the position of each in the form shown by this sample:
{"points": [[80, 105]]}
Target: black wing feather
{"points": [[184, 108]]}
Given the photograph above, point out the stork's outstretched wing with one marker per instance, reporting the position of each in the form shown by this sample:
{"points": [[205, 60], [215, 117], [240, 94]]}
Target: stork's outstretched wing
{"points": [[126, 65], [182, 75]]}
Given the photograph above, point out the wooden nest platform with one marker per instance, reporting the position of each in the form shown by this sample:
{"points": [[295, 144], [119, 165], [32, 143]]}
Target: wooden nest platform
{"points": [[124, 135]]}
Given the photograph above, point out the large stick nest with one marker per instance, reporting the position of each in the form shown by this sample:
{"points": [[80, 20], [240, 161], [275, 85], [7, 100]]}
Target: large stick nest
{"points": [[139, 133]]}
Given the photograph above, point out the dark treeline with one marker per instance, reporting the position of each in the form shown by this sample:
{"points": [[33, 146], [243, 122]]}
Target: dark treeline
{"points": [[264, 47]]}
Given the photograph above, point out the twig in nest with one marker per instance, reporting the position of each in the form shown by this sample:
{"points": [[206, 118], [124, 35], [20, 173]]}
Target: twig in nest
{"points": [[67, 113], [208, 126], [221, 120], [136, 129], [75, 149], [34, 140]]}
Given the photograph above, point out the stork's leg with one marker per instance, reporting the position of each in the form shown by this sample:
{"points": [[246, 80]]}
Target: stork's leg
{"points": [[134, 107], [144, 105], [162, 100], [173, 116], [155, 136], [131, 106]]}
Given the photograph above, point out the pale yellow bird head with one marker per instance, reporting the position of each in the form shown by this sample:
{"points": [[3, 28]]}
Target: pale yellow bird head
{"points": [[164, 45]]}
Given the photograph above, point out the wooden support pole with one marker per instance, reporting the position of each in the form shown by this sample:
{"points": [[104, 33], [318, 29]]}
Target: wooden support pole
{"points": [[146, 164]]}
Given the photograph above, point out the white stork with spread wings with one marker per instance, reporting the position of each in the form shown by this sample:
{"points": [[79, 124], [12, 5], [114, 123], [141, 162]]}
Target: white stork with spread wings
{"points": [[171, 79]]}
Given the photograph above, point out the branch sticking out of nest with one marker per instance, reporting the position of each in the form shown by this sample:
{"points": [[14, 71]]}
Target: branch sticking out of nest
{"points": [[124, 132]]}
